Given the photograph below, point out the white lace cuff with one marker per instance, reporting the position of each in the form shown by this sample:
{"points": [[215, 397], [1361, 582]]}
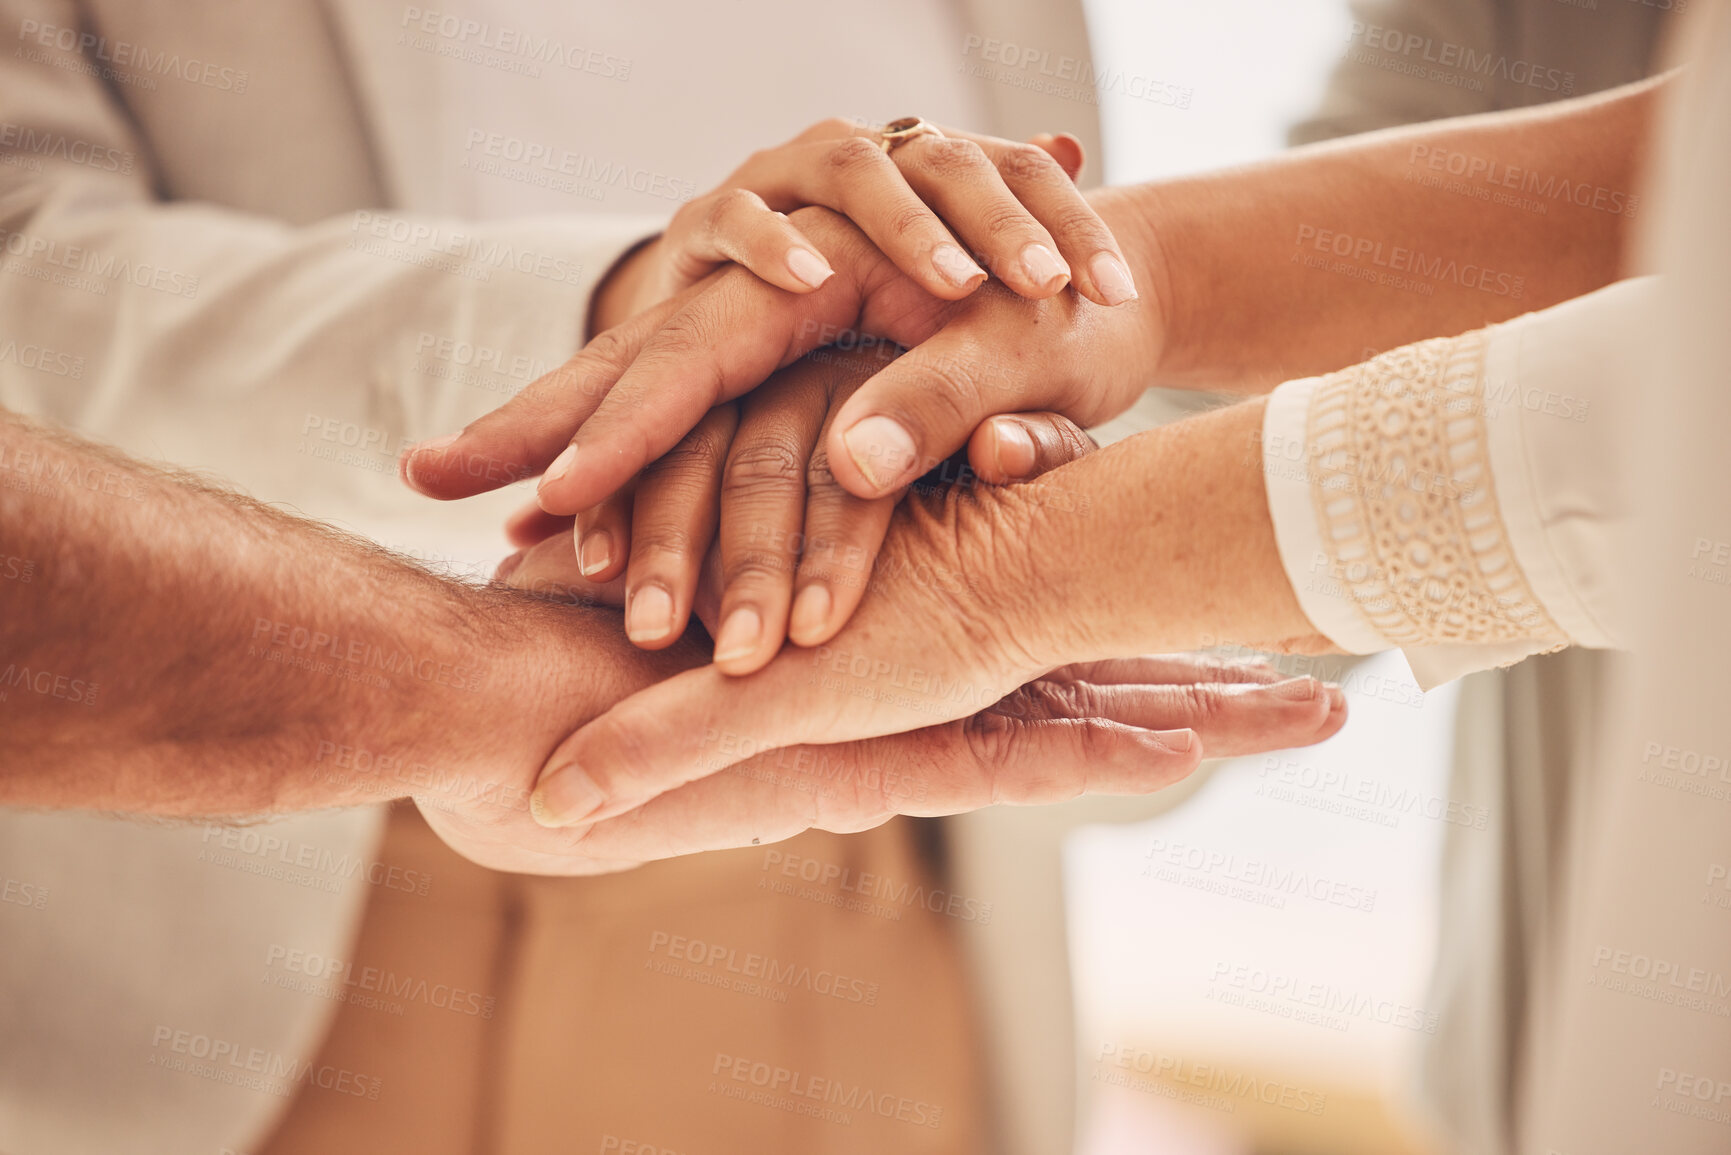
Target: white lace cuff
{"points": [[1456, 498]]}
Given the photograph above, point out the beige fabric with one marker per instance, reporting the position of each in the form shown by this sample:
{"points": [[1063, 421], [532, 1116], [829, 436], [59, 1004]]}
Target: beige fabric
{"points": [[589, 1013], [303, 252]]}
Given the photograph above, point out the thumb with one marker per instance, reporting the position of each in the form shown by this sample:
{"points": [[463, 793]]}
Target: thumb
{"points": [[1022, 446], [921, 408]]}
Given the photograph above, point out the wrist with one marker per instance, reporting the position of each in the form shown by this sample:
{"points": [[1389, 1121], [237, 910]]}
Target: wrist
{"points": [[619, 294], [1133, 214]]}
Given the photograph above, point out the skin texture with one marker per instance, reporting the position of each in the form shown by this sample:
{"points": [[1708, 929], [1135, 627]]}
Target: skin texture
{"points": [[977, 590], [1228, 302], [168, 648]]}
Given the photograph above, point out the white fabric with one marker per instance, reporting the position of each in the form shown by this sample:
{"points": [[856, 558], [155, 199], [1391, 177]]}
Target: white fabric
{"points": [[1556, 398], [297, 320]]}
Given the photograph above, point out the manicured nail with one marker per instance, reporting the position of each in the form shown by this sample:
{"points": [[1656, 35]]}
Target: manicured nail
{"points": [[415, 454], [649, 616], [596, 552], [1297, 689], [1178, 741], [1336, 696], [1112, 278], [565, 795], [1013, 448], [808, 267], [882, 450], [1043, 265], [561, 466], [739, 635], [956, 266], [810, 612]]}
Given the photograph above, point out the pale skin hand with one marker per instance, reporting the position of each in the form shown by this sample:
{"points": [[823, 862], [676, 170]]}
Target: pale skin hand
{"points": [[151, 614], [1227, 303], [1012, 206], [979, 590]]}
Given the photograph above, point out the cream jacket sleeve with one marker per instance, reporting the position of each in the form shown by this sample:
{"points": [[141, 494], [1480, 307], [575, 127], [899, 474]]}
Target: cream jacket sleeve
{"points": [[1459, 498]]}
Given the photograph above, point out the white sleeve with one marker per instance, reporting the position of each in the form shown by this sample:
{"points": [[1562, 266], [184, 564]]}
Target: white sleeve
{"points": [[1460, 498]]}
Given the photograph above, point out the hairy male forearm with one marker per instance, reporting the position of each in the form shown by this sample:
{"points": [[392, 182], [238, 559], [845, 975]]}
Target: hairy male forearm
{"points": [[1318, 258], [167, 647]]}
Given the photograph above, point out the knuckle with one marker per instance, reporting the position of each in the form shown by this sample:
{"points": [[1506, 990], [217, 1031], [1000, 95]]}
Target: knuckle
{"points": [[850, 156], [911, 219], [1006, 219], [1029, 162], [1080, 221], [773, 461], [661, 540], [756, 569], [831, 126], [950, 157]]}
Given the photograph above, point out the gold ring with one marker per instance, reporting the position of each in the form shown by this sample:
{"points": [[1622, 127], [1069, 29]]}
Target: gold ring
{"points": [[904, 129]]}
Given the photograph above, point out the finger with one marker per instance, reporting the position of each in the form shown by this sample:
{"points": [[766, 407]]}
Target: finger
{"points": [[727, 340], [958, 179], [549, 571], [941, 770], [672, 523], [842, 536], [1230, 718], [603, 535], [763, 493], [1022, 446], [927, 403], [523, 436], [1065, 149], [854, 176], [1039, 182], [531, 524], [734, 224], [1169, 669]]}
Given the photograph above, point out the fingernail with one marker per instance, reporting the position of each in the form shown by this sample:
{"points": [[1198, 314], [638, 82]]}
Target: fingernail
{"points": [[1178, 741], [1336, 696], [416, 452], [1297, 689], [808, 267], [1112, 278], [810, 611], [596, 552], [1043, 265], [649, 617], [881, 449], [739, 635], [561, 466], [1014, 452], [564, 796], [956, 266]]}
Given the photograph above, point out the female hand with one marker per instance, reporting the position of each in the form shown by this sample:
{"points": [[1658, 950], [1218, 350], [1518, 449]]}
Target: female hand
{"points": [[794, 549], [1014, 206]]}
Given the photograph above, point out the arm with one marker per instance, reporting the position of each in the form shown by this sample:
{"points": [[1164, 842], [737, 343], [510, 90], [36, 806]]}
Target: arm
{"points": [[1235, 303], [1452, 498], [1235, 254]]}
